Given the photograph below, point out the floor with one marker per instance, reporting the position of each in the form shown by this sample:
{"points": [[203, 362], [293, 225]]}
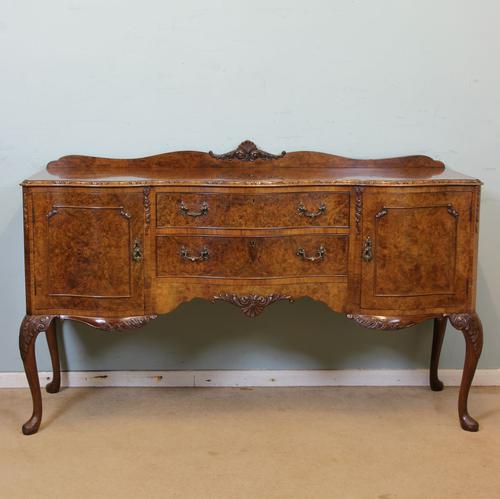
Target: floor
{"points": [[316, 443]]}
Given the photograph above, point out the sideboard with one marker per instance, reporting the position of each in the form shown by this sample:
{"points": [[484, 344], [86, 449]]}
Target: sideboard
{"points": [[114, 242]]}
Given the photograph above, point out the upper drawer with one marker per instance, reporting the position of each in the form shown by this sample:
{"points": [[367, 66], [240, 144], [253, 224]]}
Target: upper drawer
{"points": [[289, 209]]}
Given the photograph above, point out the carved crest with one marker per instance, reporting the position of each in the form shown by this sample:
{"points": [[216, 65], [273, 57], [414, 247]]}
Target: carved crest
{"points": [[246, 151], [251, 305]]}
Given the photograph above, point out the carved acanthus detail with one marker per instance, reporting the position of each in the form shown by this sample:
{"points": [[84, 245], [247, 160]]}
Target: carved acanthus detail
{"points": [[30, 327], [382, 322], [251, 305], [452, 211], [471, 327], [147, 204], [246, 151], [113, 324], [358, 207]]}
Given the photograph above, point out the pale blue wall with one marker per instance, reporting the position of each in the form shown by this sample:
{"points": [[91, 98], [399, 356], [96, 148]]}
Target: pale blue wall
{"points": [[359, 78]]}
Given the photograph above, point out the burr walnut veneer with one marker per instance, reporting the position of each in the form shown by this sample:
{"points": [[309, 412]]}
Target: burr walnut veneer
{"points": [[114, 242]]}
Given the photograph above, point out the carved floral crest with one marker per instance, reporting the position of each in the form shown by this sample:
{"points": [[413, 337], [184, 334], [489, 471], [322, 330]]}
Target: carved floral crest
{"points": [[246, 151]]}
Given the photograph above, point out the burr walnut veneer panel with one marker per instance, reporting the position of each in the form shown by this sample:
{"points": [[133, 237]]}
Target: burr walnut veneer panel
{"points": [[82, 245], [113, 243], [421, 249]]}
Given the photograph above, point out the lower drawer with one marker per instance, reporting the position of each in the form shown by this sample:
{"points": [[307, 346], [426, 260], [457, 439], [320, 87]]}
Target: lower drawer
{"points": [[251, 257]]}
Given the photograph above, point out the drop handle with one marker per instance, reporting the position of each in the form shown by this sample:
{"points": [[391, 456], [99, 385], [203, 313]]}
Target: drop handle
{"points": [[311, 214], [136, 251], [368, 250], [185, 210], [203, 255], [320, 254]]}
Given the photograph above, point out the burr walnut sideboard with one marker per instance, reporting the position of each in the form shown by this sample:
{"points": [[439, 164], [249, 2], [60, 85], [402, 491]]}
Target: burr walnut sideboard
{"points": [[114, 242]]}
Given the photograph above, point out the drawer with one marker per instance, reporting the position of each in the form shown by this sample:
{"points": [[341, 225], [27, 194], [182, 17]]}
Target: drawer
{"points": [[289, 209], [251, 257]]}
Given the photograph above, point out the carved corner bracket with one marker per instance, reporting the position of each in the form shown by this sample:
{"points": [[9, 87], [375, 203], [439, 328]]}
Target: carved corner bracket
{"points": [[251, 305], [246, 151], [31, 326], [113, 324], [385, 323], [471, 327]]}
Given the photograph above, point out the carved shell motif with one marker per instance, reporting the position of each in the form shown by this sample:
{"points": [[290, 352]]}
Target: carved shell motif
{"points": [[246, 151], [251, 305]]}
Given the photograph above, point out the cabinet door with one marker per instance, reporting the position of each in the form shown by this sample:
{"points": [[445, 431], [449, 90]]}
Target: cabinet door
{"points": [[88, 248], [420, 253]]}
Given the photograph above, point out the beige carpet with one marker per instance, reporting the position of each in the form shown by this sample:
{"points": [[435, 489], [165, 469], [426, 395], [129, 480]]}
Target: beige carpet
{"points": [[382, 443]]}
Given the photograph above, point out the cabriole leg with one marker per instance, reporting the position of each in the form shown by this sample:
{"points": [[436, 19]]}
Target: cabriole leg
{"points": [[55, 385], [437, 343], [31, 326], [471, 327]]}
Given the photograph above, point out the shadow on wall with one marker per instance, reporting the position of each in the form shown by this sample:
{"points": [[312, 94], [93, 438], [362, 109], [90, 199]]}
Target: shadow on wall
{"points": [[201, 335]]}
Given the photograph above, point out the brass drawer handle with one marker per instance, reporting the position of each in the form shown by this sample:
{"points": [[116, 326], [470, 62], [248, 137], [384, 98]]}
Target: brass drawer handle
{"points": [[367, 250], [185, 210], [311, 214], [136, 251], [320, 254], [204, 254]]}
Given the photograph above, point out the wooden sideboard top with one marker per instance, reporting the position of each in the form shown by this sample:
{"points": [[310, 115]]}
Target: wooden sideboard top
{"points": [[247, 166]]}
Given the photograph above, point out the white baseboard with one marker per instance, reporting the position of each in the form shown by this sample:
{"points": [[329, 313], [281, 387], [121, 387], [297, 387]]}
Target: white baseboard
{"points": [[348, 377]]}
